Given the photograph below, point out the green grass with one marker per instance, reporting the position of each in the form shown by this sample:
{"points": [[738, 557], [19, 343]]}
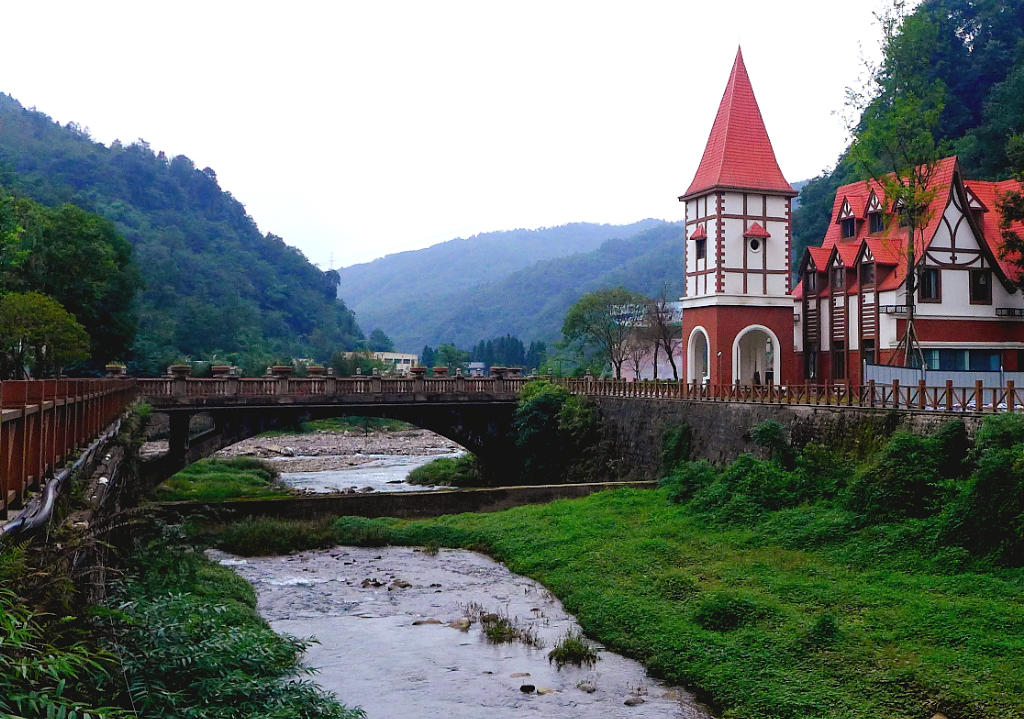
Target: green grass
{"points": [[215, 480], [460, 471], [342, 424], [797, 614], [573, 649]]}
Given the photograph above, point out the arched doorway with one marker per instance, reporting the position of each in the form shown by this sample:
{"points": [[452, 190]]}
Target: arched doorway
{"points": [[755, 356], [698, 356]]}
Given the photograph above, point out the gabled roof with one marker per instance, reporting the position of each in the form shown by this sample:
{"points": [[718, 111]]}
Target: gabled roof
{"points": [[739, 154], [889, 246], [700, 233]]}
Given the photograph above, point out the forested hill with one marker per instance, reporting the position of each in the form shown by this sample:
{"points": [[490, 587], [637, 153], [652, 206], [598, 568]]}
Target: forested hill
{"points": [[969, 55], [529, 302], [214, 285]]}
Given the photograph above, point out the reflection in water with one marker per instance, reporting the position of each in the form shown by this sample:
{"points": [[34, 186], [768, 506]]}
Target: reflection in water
{"points": [[384, 474], [387, 623]]}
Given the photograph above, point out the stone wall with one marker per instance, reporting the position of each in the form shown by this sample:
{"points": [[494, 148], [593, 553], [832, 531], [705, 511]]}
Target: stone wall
{"points": [[721, 430]]}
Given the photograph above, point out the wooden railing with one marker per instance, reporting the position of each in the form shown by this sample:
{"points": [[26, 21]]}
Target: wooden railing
{"points": [[834, 394], [43, 421]]}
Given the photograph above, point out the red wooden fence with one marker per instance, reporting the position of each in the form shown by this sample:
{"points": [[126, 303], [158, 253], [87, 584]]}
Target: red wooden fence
{"points": [[43, 421]]}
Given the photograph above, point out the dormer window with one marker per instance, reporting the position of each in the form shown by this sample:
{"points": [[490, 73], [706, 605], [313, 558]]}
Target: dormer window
{"points": [[849, 227], [838, 279], [867, 274], [877, 224], [810, 282]]}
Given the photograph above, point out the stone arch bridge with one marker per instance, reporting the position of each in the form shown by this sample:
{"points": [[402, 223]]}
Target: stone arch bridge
{"points": [[475, 412]]}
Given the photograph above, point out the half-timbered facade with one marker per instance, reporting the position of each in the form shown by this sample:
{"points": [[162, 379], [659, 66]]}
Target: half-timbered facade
{"points": [[851, 298], [737, 307]]}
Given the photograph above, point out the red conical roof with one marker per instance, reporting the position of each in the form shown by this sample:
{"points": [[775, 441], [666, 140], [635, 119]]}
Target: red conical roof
{"points": [[739, 154]]}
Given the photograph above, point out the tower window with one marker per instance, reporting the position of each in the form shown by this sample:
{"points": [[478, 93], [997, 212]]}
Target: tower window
{"points": [[981, 287], [755, 244], [877, 223], [810, 282], [701, 246], [849, 227]]}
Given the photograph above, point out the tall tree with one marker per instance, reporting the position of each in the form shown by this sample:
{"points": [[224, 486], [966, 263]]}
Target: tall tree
{"points": [[36, 332], [379, 342], [600, 324], [665, 330], [897, 141]]}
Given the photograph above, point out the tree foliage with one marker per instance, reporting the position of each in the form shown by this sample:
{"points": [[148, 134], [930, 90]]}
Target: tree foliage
{"points": [[214, 284], [973, 51], [601, 324], [36, 332]]}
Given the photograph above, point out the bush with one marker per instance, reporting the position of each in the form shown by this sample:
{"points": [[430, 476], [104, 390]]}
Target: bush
{"points": [[1000, 431], [215, 480], [676, 447], [773, 436], [463, 471], [901, 481], [553, 430], [988, 516], [688, 479], [820, 472], [952, 447], [722, 611], [767, 484]]}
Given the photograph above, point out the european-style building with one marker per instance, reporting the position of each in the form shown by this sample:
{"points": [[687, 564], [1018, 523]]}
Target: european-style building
{"points": [[742, 320]]}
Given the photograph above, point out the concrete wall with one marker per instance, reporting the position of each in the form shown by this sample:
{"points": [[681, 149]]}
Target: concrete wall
{"points": [[408, 505], [721, 430]]}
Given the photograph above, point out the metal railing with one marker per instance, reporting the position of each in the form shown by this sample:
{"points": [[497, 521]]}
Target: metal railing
{"points": [[43, 421]]}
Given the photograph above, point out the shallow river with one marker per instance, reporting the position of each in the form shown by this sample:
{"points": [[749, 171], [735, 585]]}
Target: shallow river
{"points": [[391, 642], [386, 473]]}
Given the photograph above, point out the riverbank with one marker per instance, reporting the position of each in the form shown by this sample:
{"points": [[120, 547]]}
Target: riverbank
{"points": [[868, 623], [431, 659]]}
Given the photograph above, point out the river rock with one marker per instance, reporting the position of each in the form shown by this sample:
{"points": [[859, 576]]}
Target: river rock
{"points": [[527, 689], [421, 622], [634, 701], [519, 675], [586, 687], [400, 584], [461, 624]]}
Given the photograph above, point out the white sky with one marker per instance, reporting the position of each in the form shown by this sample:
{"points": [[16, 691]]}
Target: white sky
{"points": [[367, 128]]}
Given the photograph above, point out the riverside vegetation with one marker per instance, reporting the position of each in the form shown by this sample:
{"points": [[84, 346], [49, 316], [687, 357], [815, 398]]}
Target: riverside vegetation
{"points": [[817, 582]]}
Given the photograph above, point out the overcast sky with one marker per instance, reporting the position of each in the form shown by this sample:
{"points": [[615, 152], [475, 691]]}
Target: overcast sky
{"points": [[360, 129]]}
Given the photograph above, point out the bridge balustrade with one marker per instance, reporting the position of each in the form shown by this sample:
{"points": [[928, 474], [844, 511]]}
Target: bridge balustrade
{"points": [[831, 394], [43, 421]]}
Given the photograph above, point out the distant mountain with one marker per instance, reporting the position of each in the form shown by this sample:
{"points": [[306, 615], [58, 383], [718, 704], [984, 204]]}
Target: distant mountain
{"points": [[512, 293], [214, 284]]}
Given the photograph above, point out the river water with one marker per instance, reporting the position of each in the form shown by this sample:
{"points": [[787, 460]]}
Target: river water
{"points": [[390, 638], [390, 627], [384, 473]]}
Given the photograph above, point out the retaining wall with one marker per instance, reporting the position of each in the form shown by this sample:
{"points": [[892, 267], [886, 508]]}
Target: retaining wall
{"points": [[721, 430], [406, 505]]}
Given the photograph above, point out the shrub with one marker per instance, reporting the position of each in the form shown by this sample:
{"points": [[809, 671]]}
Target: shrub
{"points": [[824, 631], [722, 611], [767, 484], [773, 436], [900, 482], [463, 471], [553, 430], [952, 447], [988, 516], [820, 472], [1000, 431], [676, 447], [688, 479]]}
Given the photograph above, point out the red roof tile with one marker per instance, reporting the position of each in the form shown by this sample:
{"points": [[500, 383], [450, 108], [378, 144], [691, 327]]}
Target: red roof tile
{"points": [[820, 256], [739, 154], [988, 194], [755, 230]]}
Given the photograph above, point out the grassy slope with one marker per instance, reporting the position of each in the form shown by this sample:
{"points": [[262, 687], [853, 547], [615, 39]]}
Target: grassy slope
{"points": [[215, 480], [915, 634]]}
